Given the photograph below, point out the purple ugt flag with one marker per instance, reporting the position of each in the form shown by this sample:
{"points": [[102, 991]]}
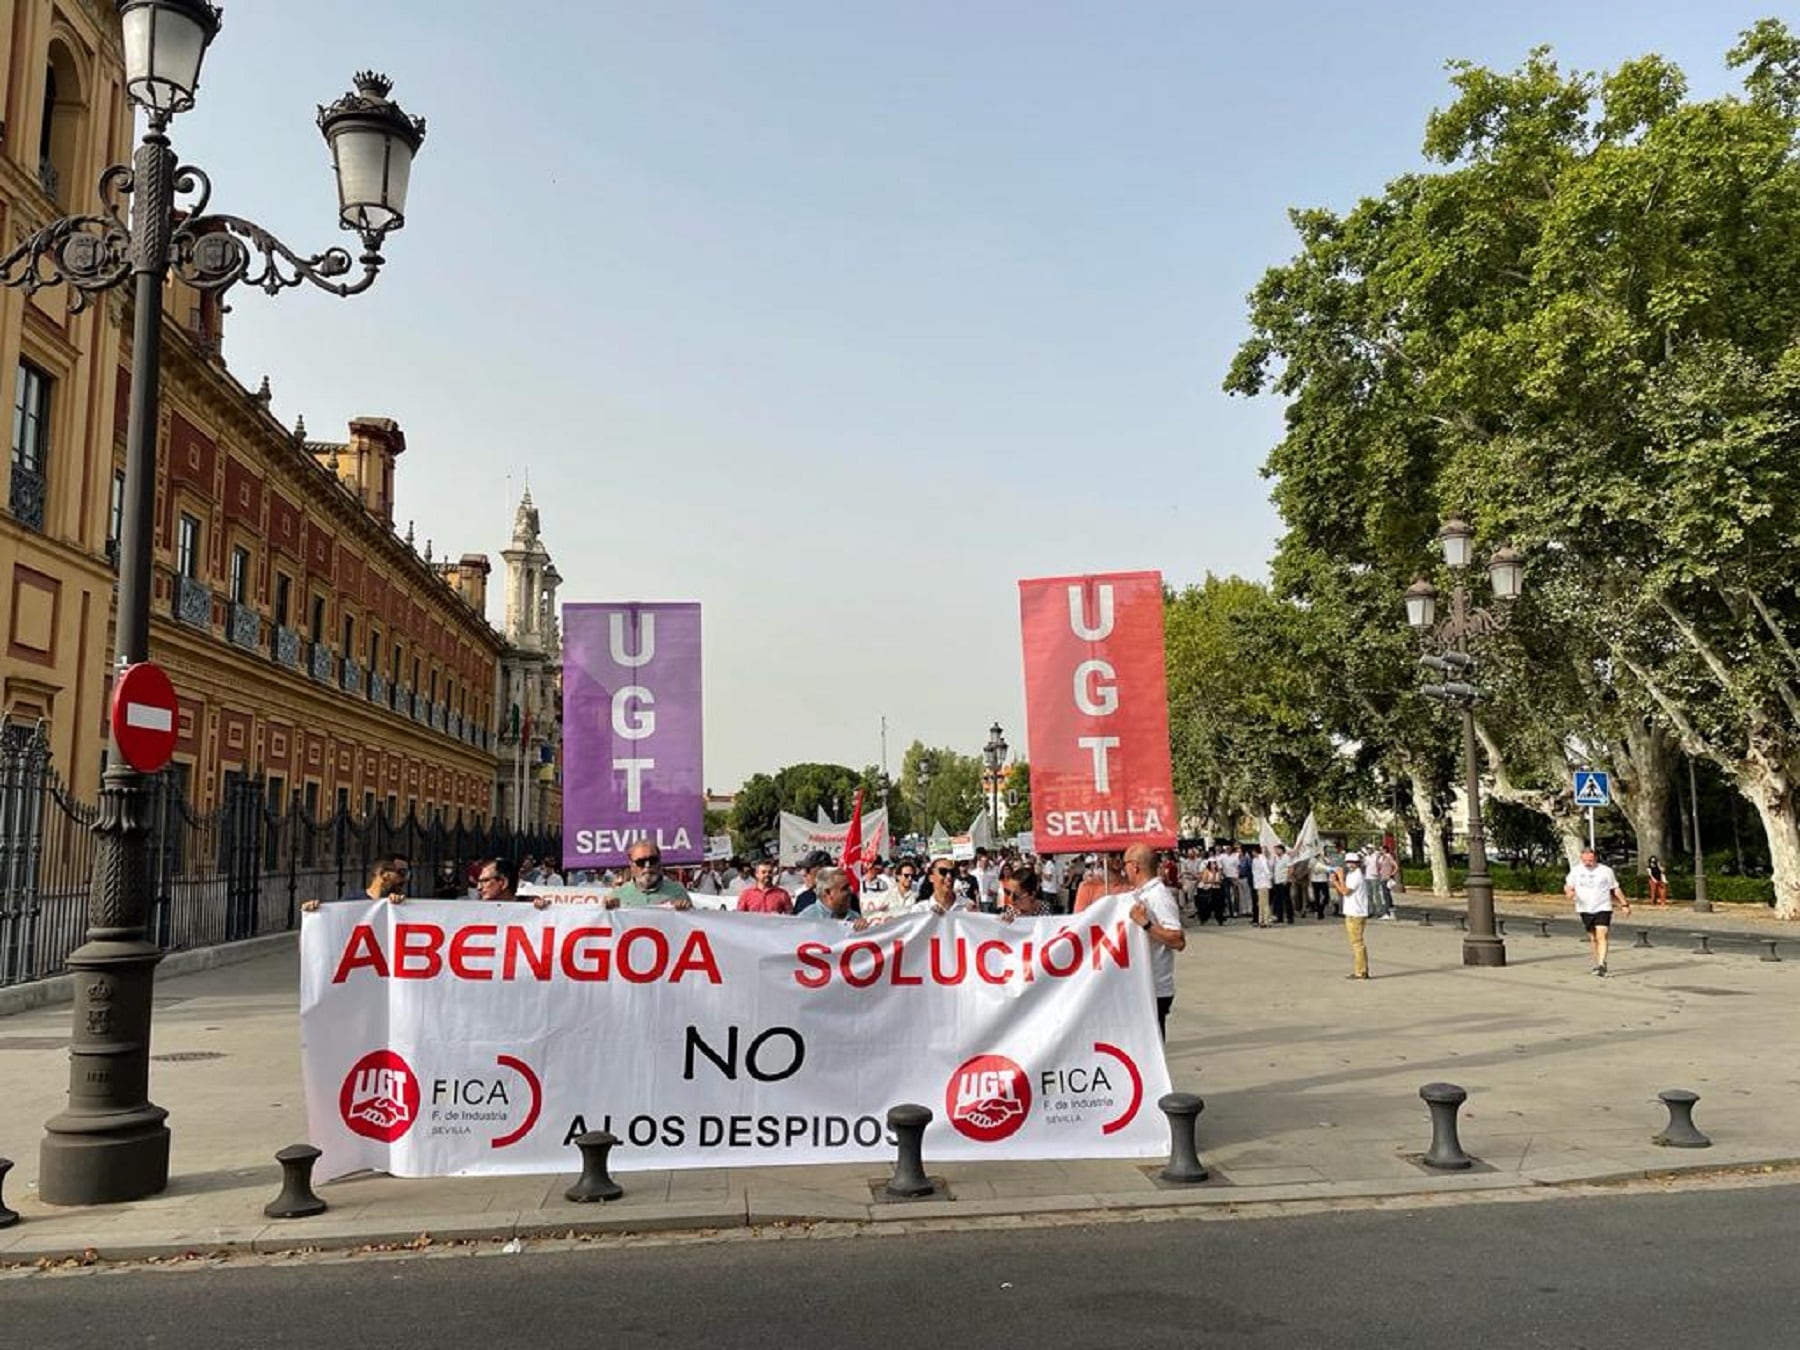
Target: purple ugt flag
{"points": [[631, 732]]}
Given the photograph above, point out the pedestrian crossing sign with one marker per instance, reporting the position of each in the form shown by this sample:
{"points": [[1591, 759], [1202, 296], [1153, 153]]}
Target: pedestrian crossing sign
{"points": [[1593, 788]]}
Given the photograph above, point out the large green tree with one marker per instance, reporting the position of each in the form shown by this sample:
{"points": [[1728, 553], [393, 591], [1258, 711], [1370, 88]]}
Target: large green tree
{"points": [[940, 786], [1579, 332]]}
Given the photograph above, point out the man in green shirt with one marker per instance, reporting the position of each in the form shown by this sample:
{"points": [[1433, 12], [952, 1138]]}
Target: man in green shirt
{"points": [[648, 885]]}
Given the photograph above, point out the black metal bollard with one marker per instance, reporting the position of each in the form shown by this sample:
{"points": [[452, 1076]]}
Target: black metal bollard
{"points": [[1543, 927], [1462, 922], [1183, 1110], [908, 1121], [296, 1200], [8, 1217], [1425, 918], [1680, 1132], [595, 1183], [1446, 1152], [1773, 954], [1500, 927], [1705, 947], [1643, 938]]}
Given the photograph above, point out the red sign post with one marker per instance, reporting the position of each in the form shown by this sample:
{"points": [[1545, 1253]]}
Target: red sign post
{"points": [[144, 716]]}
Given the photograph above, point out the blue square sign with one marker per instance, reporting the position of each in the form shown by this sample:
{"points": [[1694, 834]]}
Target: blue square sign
{"points": [[1593, 788]]}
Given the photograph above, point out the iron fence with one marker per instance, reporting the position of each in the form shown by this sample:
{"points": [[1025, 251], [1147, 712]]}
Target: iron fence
{"points": [[236, 871]]}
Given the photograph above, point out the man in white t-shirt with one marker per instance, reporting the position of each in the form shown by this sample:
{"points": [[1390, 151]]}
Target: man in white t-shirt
{"points": [[1348, 886], [1155, 909], [1593, 887]]}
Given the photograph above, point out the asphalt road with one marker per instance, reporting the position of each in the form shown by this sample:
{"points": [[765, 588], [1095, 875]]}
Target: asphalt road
{"points": [[1699, 1268]]}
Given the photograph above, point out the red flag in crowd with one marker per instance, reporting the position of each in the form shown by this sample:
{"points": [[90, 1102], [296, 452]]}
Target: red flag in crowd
{"points": [[853, 859]]}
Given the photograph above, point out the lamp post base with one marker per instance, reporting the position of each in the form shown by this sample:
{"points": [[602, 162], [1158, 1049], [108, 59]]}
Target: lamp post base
{"points": [[1484, 951], [104, 1169]]}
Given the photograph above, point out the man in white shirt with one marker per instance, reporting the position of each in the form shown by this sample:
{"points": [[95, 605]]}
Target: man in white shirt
{"points": [[1155, 909], [1281, 870], [1593, 887], [1355, 902], [987, 880], [1262, 881]]}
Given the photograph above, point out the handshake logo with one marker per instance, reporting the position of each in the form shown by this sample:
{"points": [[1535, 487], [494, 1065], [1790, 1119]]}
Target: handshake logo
{"points": [[380, 1096], [988, 1098]]}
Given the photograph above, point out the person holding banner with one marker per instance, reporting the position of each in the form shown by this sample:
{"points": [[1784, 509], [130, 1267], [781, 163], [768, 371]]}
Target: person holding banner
{"points": [[648, 885], [1155, 909], [944, 896], [1355, 902], [387, 881], [1023, 898]]}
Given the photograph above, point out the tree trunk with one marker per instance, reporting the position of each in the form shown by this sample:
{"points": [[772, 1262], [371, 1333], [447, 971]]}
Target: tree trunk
{"points": [[1774, 802], [1434, 835], [1648, 759]]}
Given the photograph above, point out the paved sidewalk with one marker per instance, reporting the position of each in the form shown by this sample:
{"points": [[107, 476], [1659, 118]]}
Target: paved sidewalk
{"points": [[1311, 1087]]}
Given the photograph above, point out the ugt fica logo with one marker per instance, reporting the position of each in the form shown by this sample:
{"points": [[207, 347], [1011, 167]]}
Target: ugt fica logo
{"points": [[380, 1096], [988, 1098]]}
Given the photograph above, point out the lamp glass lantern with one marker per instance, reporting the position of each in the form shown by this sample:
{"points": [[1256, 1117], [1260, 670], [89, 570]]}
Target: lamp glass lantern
{"points": [[1421, 604], [372, 147], [165, 42], [1456, 536], [1506, 570]]}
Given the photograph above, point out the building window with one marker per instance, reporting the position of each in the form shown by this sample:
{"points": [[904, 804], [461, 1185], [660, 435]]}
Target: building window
{"points": [[374, 650], [30, 446], [318, 618], [240, 576], [59, 139], [349, 648], [283, 593], [187, 547], [115, 513]]}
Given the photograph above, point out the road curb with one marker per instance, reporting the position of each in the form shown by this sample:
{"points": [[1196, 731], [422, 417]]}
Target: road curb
{"points": [[352, 1231]]}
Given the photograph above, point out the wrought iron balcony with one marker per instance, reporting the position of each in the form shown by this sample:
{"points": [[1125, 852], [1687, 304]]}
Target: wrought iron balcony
{"points": [[419, 705], [456, 725], [378, 688], [246, 627], [440, 716], [350, 678], [193, 602], [320, 663], [286, 648], [25, 500]]}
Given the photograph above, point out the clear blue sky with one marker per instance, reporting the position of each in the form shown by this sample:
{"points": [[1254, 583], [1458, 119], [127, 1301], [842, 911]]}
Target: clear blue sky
{"points": [[840, 316]]}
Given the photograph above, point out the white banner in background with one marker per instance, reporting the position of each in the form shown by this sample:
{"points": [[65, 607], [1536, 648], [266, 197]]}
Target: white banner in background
{"points": [[464, 1038], [800, 836]]}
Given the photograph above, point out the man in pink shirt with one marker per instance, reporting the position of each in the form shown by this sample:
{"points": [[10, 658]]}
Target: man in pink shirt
{"points": [[765, 897]]}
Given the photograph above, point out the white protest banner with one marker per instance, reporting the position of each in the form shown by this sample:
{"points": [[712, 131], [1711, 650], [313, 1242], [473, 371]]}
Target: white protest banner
{"points": [[464, 1038], [800, 836], [596, 896]]}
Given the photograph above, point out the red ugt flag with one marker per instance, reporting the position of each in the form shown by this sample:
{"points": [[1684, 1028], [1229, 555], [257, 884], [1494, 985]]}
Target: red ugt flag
{"points": [[852, 859]]}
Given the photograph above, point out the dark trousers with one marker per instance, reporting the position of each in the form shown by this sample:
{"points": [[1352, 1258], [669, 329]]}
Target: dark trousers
{"points": [[1281, 901], [1320, 893], [1163, 1004], [1211, 904]]}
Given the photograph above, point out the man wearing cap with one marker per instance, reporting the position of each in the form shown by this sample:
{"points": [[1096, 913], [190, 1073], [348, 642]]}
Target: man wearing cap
{"points": [[1349, 889], [1593, 887]]}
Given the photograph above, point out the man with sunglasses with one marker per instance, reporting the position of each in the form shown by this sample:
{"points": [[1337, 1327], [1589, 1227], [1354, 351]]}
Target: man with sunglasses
{"points": [[387, 881], [648, 885], [943, 895]]}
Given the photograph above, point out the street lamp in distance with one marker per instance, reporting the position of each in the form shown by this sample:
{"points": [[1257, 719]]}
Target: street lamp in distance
{"points": [[994, 755], [111, 1143], [1483, 945]]}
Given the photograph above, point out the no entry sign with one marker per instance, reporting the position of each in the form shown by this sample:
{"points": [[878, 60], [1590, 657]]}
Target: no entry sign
{"points": [[144, 716]]}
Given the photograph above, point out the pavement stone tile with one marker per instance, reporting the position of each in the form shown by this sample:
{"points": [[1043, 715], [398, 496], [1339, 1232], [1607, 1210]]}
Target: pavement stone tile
{"points": [[613, 1217], [330, 1232]]}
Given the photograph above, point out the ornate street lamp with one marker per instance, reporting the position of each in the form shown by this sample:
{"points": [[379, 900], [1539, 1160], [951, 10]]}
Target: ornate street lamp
{"points": [[111, 1143], [1483, 946], [994, 754]]}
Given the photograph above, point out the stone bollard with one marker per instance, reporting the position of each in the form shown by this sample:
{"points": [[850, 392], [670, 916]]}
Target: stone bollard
{"points": [[1773, 943], [908, 1121], [595, 1183], [8, 1217], [1183, 1110], [1643, 938], [1705, 947], [1680, 1132], [1543, 928], [296, 1200], [1446, 1152]]}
